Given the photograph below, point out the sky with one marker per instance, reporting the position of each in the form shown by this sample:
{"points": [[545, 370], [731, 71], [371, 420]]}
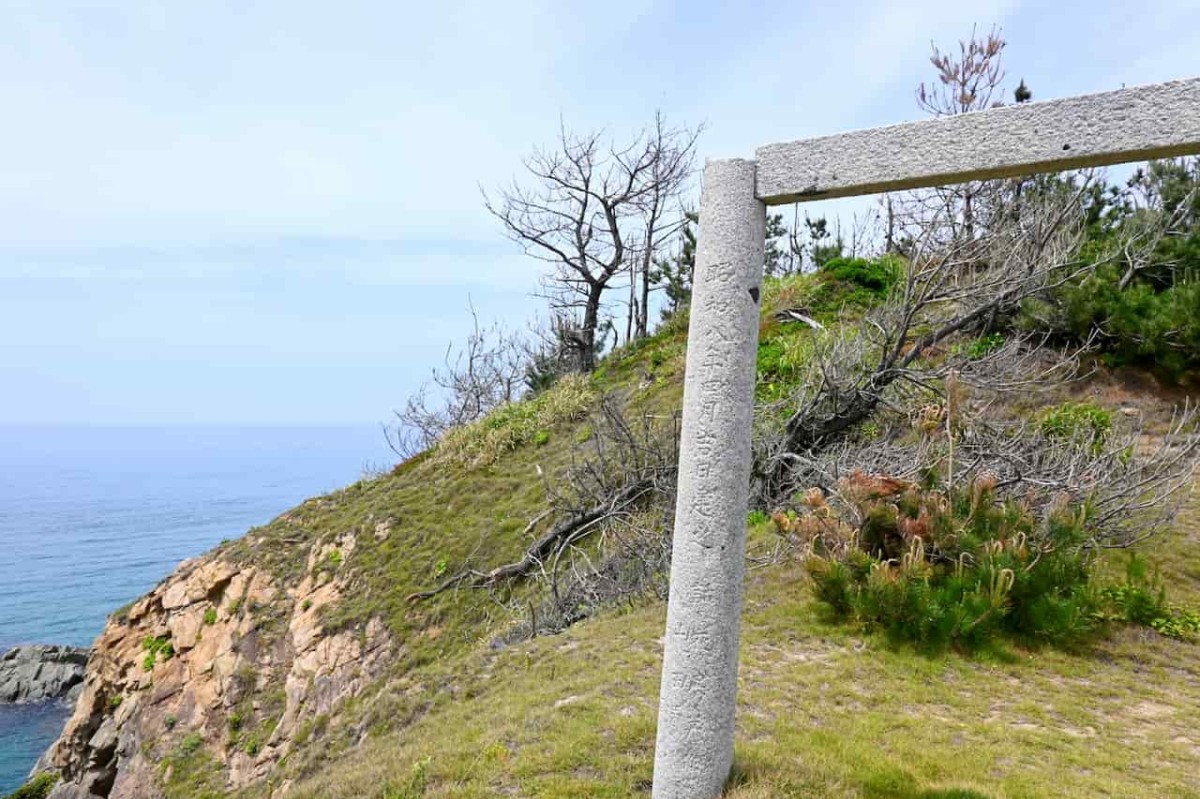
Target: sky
{"points": [[270, 212]]}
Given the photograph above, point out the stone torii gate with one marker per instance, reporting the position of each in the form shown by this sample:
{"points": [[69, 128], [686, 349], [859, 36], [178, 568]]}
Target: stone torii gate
{"points": [[694, 750]]}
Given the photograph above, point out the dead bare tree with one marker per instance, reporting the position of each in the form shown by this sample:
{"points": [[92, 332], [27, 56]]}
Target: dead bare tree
{"points": [[487, 371], [909, 353], [939, 297], [1129, 484], [590, 205], [966, 81], [663, 214]]}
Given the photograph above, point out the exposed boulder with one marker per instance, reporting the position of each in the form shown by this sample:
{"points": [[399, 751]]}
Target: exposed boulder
{"points": [[39, 672]]}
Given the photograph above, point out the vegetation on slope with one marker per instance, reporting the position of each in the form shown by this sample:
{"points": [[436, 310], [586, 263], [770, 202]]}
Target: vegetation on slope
{"points": [[472, 705], [464, 712], [824, 710], [551, 515], [37, 788], [1140, 304]]}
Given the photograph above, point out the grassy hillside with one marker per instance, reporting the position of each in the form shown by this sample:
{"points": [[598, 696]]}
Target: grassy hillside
{"points": [[825, 709]]}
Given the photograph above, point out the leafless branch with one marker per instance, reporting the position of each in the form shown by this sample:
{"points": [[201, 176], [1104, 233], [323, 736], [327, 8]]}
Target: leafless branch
{"points": [[595, 211]]}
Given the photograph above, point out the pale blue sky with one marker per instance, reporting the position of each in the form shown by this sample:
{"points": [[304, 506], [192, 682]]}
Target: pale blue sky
{"points": [[269, 211]]}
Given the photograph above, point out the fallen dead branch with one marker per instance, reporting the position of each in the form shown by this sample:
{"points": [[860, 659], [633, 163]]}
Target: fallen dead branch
{"points": [[560, 536]]}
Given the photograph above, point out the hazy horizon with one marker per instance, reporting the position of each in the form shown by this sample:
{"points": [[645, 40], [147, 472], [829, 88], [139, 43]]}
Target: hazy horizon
{"points": [[279, 220]]}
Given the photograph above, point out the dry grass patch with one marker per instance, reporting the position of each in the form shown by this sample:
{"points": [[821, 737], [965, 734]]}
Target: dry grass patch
{"points": [[514, 424]]}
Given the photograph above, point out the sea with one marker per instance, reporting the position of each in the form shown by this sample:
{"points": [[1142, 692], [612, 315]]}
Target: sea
{"points": [[91, 517]]}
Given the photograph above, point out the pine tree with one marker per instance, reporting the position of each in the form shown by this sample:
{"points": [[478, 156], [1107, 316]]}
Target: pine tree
{"points": [[776, 260], [674, 275], [1022, 94]]}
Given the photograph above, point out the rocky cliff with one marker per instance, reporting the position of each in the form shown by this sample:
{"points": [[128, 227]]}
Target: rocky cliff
{"points": [[40, 672], [266, 662], [208, 678]]}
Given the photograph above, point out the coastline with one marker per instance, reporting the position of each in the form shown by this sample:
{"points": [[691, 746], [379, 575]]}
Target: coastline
{"points": [[94, 517], [35, 673], [39, 687]]}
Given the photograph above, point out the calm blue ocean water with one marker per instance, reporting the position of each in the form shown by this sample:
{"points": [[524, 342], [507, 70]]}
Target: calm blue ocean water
{"points": [[92, 517]]}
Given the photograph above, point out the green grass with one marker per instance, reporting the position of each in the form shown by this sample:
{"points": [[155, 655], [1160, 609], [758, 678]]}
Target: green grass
{"points": [[509, 427], [156, 648], [824, 710], [38, 787], [190, 771]]}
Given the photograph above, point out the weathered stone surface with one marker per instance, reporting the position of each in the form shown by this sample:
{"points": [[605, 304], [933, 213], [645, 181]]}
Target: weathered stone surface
{"points": [[1116, 127], [71, 791], [238, 634], [699, 681], [40, 672], [186, 627]]}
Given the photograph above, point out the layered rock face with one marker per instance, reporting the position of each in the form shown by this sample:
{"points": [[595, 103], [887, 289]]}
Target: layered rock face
{"points": [[216, 669], [40, 672]]}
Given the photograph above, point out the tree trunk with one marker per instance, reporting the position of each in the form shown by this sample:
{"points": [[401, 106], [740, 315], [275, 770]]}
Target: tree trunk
{"points": [[585, 342], [632, 317], [890, 238], [969, 215], [643, 319]]}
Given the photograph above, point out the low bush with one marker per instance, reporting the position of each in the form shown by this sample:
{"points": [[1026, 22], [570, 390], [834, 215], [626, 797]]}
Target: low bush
{"points": [[842, 284], [1081, 422], [983, 346], [190, 745], [156, 647], [37, 788], [876, 275], [943, 568], [1142, 599], [252, 745], [1144, 324], [191, 770]]}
